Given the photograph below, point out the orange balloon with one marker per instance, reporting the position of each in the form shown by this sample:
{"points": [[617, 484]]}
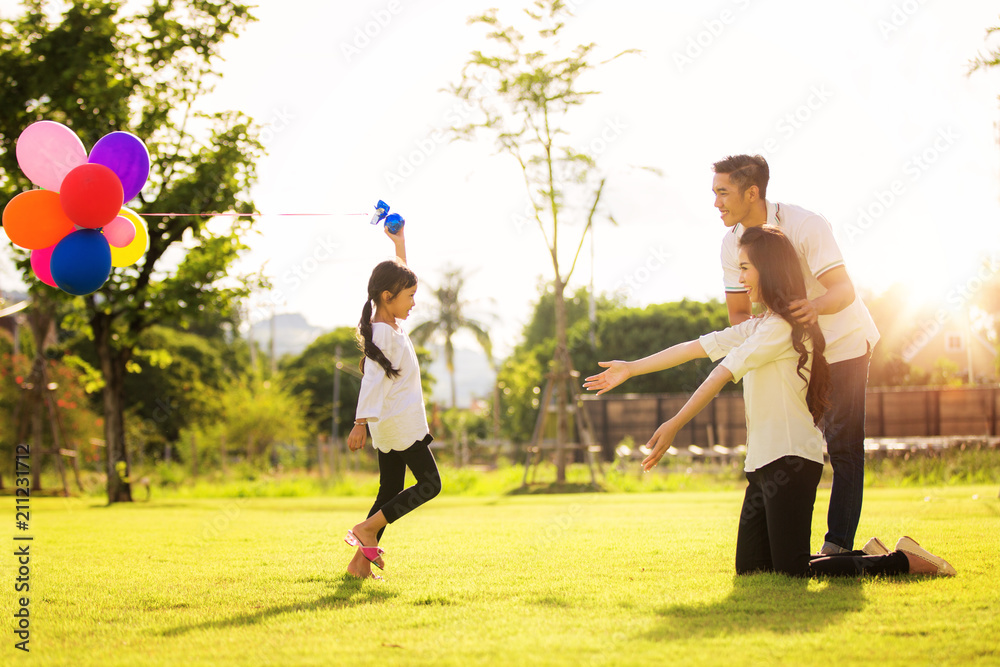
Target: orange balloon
{"points": [[35, 220]]}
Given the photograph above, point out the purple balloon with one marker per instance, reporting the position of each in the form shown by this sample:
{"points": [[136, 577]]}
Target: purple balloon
{"points": [[81, 262], [126, 155]]}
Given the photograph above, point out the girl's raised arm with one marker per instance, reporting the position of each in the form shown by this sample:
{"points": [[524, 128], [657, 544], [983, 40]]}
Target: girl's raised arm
{"points": [[399, 241]]}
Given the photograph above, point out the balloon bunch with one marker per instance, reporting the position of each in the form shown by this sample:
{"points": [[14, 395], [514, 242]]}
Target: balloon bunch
{"points": [[393, 221], [76, 227]]}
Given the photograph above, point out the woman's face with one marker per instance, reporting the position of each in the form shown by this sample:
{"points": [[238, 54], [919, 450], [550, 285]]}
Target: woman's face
{"points": [[749, 277]]}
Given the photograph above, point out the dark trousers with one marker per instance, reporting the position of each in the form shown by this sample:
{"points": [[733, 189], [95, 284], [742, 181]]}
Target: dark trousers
{"points": [[777, 517], [857, 563], [775, 523], [844, 429], [393, 500]]}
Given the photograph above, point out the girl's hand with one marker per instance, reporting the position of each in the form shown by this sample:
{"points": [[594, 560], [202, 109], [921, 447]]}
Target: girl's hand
{"points": [[356, 440], [618, 372], [398, 237], [662, 438]]}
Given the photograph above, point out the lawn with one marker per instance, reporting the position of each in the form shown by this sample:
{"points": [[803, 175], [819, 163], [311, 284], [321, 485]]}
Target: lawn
{"points": [[588, 579]]}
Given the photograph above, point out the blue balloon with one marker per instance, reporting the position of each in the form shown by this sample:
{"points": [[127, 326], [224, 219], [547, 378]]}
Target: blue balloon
{"points": [[126, 155], [393, 222], [81, 262]]}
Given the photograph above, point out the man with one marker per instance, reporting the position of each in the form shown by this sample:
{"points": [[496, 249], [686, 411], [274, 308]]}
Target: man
{"points": [[740, 186]]}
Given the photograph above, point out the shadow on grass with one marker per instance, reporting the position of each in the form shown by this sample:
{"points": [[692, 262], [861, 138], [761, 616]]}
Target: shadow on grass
{"points": [[763, 603], [556, 487], [350, 592]]}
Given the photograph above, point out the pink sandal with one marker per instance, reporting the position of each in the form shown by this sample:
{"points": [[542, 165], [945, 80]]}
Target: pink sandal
{"points": [[373, 554]]}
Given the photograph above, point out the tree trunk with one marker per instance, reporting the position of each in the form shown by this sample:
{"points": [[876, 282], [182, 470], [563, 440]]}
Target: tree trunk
{"points": [[560, 378], [113, 369], [42, 323]]}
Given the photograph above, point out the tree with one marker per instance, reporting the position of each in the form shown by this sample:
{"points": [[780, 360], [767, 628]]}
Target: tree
{"points": [[96, 71], [531, 87], [448, 319]]}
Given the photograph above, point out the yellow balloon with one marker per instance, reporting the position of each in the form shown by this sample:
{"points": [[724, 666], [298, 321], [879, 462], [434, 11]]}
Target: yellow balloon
{"points": [[131, 253]]}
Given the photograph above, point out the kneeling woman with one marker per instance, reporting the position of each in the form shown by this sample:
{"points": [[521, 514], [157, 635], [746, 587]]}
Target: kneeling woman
{"points": [[785, 385]]}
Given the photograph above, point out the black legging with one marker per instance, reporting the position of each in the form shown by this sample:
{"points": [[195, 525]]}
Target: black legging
{"points": [[392, 499], [775, 523]]}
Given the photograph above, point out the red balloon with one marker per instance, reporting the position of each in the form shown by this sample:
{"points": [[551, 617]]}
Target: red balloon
{"points": [[91, 195]]}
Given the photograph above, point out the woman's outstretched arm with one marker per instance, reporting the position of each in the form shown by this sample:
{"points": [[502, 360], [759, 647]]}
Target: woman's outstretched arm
{"points": [[619, 371], [664, 436]]}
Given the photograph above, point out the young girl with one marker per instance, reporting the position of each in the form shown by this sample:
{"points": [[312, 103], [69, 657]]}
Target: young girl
{"points": [[391, 404], [785, 382]]}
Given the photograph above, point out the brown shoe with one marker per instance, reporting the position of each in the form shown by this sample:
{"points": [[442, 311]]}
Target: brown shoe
{"points": [[909, 546]]}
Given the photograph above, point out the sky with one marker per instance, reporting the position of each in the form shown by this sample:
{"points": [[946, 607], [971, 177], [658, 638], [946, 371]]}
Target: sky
{"points": [[863, 109]]}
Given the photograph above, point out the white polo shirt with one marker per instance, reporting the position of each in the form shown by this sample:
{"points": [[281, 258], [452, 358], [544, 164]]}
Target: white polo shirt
{"points": [[849, 333], [394, 407], [779, 423]]}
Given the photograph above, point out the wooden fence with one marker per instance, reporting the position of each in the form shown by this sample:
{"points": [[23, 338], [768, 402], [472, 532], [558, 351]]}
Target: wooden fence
{"points": [[890, 413]]}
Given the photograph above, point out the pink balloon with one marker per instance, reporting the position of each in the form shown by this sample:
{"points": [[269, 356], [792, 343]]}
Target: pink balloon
{"points": [[119, 232], [47, 151], [41, 264]]}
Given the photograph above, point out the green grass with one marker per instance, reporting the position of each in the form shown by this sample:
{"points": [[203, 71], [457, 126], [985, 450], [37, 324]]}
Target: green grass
{"points": [[588, 579]]}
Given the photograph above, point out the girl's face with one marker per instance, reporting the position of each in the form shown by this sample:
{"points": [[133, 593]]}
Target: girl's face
{"points": [[400, 305], [749, 277]]}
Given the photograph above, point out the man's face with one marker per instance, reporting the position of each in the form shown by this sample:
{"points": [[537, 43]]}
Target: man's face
{"points": [[733, 206]]}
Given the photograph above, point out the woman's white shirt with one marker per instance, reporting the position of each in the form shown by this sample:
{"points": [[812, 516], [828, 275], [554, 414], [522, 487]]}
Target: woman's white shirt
{"points": [[394, 407], [779, 423]]}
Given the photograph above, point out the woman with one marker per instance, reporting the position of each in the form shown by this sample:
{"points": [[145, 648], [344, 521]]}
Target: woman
{"points": [[785, 385]]}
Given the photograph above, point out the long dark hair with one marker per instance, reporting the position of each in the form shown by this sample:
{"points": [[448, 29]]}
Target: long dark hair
{"points": [[389, 276], [781, 282]]}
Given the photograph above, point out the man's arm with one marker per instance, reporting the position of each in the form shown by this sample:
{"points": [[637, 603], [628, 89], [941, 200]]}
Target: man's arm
{"points": [[739, 307], [839, 295]]}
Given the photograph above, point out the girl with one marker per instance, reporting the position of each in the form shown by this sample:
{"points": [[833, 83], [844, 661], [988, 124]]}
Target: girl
{"points": [[785, 384], [391, 404]]}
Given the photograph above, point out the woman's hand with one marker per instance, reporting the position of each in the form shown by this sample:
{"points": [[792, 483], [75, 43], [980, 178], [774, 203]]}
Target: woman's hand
{"points": [[356, 440], [618, 372], [662, 438]]}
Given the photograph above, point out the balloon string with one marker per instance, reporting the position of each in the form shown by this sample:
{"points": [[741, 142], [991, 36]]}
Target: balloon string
{"points": [[241, 215]]}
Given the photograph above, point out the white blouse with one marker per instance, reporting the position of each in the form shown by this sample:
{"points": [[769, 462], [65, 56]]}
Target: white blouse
{"points": [[394, 407], [779, 423]]}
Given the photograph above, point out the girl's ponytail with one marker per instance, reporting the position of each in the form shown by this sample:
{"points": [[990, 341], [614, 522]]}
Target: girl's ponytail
{"points": [[367, 343]]}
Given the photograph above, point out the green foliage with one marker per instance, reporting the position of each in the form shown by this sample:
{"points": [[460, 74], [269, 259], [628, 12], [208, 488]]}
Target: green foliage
{"points": [[310, 376], [97, 70], [77, 423], [259, 420], [633, 333]]}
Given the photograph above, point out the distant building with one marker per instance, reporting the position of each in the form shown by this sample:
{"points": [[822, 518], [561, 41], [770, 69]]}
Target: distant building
{"points": [[952, 341]]}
